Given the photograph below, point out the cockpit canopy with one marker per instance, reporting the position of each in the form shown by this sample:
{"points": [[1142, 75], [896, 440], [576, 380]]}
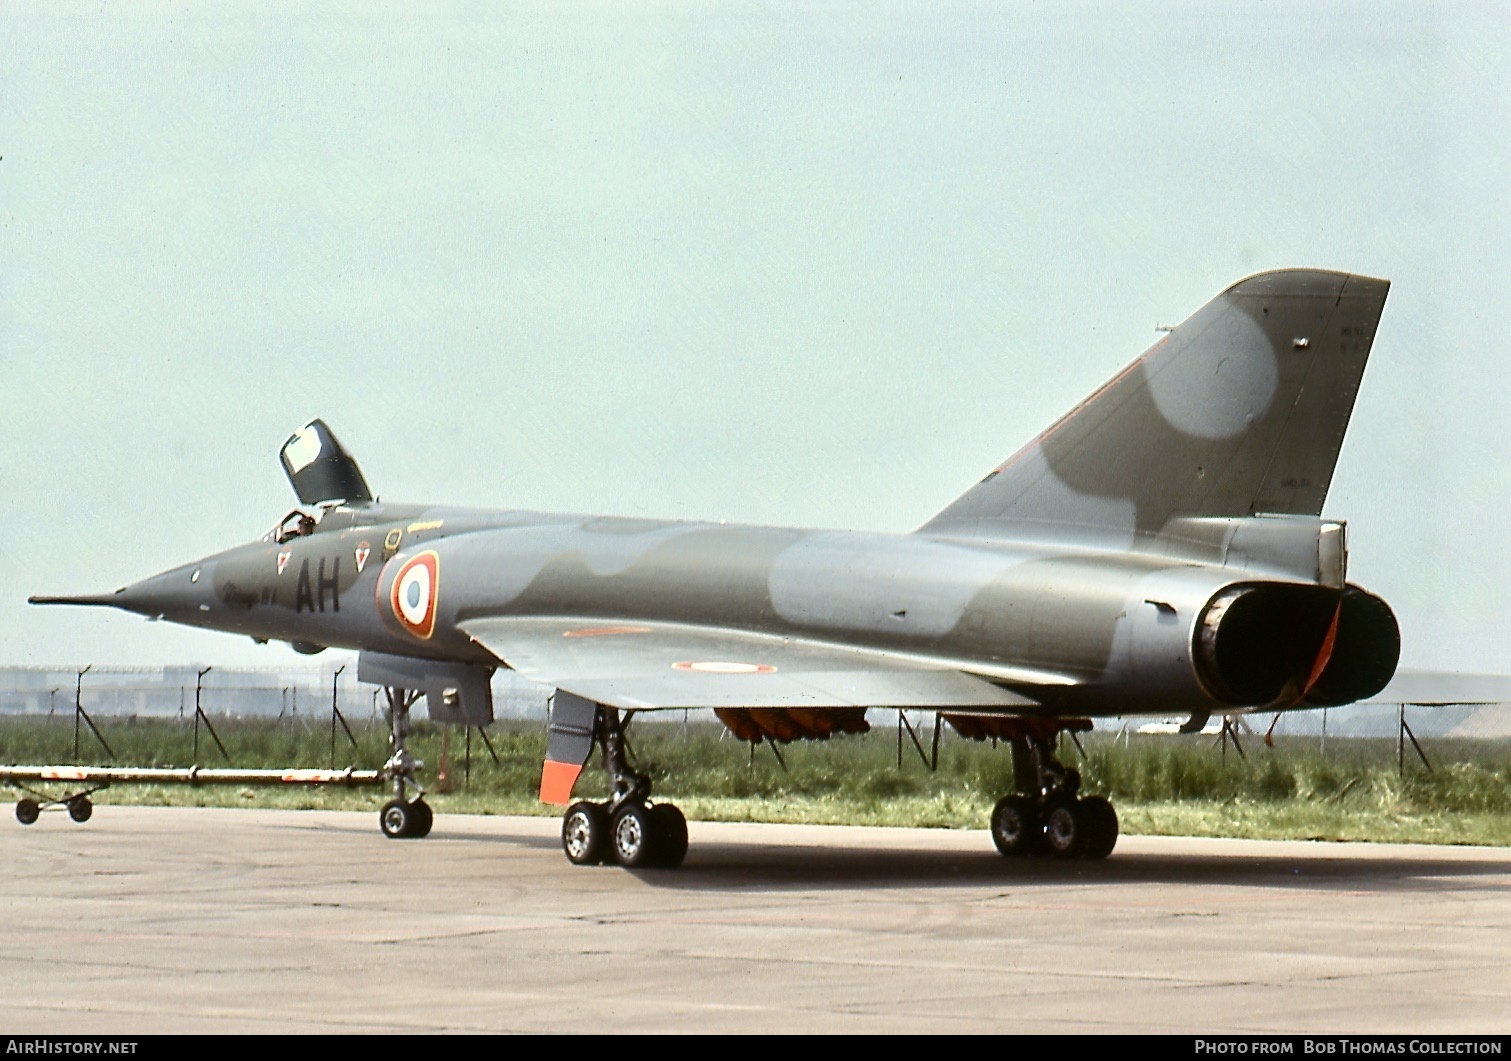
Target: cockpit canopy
{"points": [[323, 475], [319, 468], [296, 524]]}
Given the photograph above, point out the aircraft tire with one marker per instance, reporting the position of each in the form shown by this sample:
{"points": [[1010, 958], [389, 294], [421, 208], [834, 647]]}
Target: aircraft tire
{"points": [[669, 826], [632, 836], [397, 819], [27, 811], [1016, 829], [424, 818], [1067, 828], [1102, 819], [80, 809], [585, 833]]}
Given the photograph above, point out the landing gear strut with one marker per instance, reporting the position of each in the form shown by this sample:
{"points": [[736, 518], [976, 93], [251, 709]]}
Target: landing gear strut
{"points": [[403, 818], [626, 829], [1047, 815]]}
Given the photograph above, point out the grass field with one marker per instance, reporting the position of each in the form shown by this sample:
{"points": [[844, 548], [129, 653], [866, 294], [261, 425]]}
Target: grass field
{"points": [[1161, 784]]}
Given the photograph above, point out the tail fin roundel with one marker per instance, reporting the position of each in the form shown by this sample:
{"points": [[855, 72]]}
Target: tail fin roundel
{"points": [[1239, 410]]}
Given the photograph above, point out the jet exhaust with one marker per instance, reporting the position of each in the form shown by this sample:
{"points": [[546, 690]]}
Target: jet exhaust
{"points": [[1365, 651], [1255, 645]]}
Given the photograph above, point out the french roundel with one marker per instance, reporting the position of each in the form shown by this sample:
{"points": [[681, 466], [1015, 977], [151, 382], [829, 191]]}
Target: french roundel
{"points": [[414, 593]]}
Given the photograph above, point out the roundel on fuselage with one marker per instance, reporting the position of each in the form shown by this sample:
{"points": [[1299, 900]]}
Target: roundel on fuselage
{"points": [[414, 593]]}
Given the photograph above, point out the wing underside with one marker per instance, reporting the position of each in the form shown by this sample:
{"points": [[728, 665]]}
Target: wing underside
{"points": [[648, 665]]}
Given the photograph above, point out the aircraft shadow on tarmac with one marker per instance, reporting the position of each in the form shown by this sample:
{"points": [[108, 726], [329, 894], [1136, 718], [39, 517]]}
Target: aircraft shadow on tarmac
{"points": [[740, 867], [737, 868]]}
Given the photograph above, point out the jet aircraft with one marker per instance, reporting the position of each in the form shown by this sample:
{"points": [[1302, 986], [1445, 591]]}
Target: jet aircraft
{"points": [[1158, 550]]}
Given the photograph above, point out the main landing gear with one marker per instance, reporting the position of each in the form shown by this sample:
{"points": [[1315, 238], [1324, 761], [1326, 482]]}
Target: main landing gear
{"points": [[626, 829], [1047, 815], [403, 818]]}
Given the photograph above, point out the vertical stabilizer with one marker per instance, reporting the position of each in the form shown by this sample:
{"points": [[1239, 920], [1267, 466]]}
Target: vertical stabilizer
{"points": [[1239, 410]]}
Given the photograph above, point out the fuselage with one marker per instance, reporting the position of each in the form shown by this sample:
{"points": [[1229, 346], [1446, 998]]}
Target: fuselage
{"points": [[1092, 629]]}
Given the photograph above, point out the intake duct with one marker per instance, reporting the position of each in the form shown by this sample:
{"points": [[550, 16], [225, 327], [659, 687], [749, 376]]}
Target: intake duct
{"points": [[1257, 643]]}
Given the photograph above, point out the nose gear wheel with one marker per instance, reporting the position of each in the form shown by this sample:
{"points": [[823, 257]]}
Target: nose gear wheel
{"points": [[406, 821]]}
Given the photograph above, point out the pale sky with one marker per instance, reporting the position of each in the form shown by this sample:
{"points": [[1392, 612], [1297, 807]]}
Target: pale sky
{"points": [[798, 264]]}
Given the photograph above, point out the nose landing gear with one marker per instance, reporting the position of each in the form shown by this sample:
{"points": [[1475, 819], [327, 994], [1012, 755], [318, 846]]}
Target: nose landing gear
{"points": [[403, 818]]}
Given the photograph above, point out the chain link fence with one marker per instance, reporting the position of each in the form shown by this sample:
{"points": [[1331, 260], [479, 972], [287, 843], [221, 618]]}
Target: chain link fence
{"points": [[303, 697], [273, 692]]}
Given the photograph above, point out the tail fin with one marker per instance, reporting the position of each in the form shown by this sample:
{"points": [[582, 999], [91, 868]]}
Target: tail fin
{"points": [[320, 469], [1239, 410]]}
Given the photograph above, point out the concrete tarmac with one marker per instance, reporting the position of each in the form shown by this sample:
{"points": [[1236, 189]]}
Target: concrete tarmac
{"points": [[150, 920]]}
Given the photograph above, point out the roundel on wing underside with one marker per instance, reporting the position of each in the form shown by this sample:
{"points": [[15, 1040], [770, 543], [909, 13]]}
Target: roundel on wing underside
{"points": [[414, 592]]}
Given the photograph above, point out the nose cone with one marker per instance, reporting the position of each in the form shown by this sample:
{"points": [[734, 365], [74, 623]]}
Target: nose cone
{"points": [[182, 595]]}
